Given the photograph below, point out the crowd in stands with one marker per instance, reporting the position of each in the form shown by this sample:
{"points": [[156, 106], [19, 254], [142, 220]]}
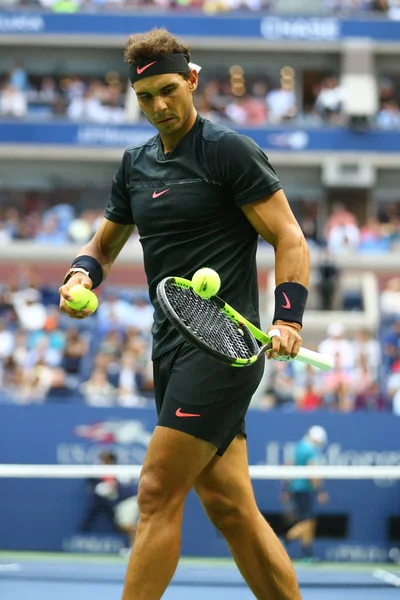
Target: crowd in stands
{"points": [[104, 360], [341, 7], [42, 218], [365, 376], [258, 100]]}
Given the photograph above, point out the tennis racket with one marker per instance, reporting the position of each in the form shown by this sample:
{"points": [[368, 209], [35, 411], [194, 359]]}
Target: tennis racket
{"points": [[219, 329]]}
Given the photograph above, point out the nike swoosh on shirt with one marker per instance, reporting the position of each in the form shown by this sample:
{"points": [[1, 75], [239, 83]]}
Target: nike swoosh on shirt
{"points": [[287, 305], [139, 71], [156, 194], [179, 413]]}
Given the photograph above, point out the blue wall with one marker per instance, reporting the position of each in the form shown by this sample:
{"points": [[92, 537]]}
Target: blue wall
{"points": [[44, 514]]}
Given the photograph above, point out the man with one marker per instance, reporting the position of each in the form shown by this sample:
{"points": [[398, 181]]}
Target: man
{"points": [[199, 194], [300, 493], [112, 497]]}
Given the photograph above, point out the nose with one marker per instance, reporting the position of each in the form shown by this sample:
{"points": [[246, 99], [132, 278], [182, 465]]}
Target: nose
{"points": [[159, 105]]}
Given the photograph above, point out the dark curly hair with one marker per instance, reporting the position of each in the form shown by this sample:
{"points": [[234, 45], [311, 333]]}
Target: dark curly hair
{"points": [[157, 42]]}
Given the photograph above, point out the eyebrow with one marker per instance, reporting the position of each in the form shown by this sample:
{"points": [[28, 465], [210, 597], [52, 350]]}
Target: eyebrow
{"points": [[161, 89]]}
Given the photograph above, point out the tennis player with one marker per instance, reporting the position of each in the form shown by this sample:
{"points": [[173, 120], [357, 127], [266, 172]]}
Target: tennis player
{"points": [[200, 195], [304, 492]]}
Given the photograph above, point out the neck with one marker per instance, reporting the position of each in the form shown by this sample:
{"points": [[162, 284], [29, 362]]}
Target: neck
{"points": [[170, 142]]}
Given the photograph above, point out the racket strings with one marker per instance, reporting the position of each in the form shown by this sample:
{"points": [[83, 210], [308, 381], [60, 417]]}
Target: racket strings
{"points": [[206, 320]]}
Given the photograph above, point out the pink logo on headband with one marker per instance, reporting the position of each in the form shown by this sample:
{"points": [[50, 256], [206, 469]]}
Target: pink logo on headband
{"points": [[140, 71]]}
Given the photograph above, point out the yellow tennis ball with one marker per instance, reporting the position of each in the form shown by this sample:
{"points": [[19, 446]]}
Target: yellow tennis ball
{"points": [[82, 298], [206, 282]]}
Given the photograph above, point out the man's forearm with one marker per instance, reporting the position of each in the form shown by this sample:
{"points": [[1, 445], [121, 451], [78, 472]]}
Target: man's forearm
{"points": [[107, 243], [292, 258]]}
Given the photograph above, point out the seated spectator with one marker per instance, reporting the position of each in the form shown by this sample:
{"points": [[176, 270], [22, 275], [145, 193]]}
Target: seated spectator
{"points": [[341, 229], [129, 381], [75, 349], [281, 104], [280, 386], [13, 102], [372, 238], [30, 311], [337, 345], [328, 279], [141, 314], [113, 313], [390, 297], [388, 116], [329, 100], [338, 387], [367, 348], [97, 391], [391, 346]]}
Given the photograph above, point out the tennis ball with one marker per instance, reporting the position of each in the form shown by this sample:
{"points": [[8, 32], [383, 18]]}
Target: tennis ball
{"points": [[206, 282], [82, 299]]}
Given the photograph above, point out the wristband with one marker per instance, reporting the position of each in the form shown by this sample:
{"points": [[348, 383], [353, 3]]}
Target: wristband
{"points": [[290, 302], [87, 264]]}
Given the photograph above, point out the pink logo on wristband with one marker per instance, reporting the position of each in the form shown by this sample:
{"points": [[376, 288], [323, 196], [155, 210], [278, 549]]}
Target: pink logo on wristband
{"points": [[287, 305]]}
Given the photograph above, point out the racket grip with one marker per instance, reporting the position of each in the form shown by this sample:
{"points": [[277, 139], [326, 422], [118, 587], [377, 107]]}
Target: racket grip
{"points": [[315, 359]]}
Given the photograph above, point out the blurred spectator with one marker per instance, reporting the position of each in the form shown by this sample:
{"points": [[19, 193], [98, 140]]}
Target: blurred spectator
{"points": [[113, 313], [366, 348], [336, 345], [388, 116], [75, 349], [281, 104], [327, 282], [341, 229], [113, 498], [13, 101], [390, 297], [97, 391], [338, 387], [391, 346], [372, 238], [328, 103], [7, 340], [30, 311]]}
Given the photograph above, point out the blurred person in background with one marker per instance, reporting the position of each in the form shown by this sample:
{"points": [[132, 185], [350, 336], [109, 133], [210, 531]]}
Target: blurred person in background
{"points": [[31, 312], [390, 298], [336, 344], [299, 495], [97, 390], [328, 279], [113, 498], [279, 391], [338, 386], [391, 346], [328, 103], [341, 229]]}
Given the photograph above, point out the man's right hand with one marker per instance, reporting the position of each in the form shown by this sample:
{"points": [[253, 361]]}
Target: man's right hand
{"points": [[76, 279]]}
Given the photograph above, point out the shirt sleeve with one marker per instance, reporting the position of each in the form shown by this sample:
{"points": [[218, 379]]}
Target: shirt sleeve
{"points": [[245, 168], [118, 207]]}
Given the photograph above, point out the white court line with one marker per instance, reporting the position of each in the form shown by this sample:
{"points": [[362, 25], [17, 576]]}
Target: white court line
{"points": [[387, 577], [10, 567]]}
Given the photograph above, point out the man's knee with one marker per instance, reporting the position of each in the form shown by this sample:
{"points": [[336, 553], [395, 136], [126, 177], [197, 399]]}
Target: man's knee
{"points": [[155, 494], [222, 511]]}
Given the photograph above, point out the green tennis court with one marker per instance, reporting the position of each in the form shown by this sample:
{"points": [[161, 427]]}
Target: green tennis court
{"points": [[64, 576]]}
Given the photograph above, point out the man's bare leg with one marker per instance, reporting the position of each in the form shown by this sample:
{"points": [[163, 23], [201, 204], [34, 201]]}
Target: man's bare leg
{"points": [[225, 490], [173, 462]]}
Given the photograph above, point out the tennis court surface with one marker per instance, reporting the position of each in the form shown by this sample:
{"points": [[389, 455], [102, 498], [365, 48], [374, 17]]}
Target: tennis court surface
{"points": [[66, 576]]}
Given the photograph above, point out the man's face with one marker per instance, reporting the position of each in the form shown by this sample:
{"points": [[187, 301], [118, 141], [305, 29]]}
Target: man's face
{"points": [[166, 100]]}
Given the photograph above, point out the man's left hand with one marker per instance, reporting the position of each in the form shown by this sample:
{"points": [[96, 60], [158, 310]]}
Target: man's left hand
{"points": [[288, 343]]}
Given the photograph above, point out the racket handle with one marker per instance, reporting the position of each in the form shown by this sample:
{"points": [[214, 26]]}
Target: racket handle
{"points": [[315, 359]]}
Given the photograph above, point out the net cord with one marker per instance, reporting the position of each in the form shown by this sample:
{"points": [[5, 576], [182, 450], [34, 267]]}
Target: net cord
{"points": [[256, 472]]}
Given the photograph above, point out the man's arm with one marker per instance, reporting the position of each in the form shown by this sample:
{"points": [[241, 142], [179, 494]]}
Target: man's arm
{"points": [[273, 219], [104, 247], [275, 222]]}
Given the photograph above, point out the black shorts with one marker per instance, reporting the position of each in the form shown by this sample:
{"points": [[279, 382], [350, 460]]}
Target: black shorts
{"points": [[202, 397], [304, 503]]}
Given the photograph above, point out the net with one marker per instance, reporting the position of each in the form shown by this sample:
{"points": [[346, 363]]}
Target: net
{"points": [[44, 506], [205, 320]]}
